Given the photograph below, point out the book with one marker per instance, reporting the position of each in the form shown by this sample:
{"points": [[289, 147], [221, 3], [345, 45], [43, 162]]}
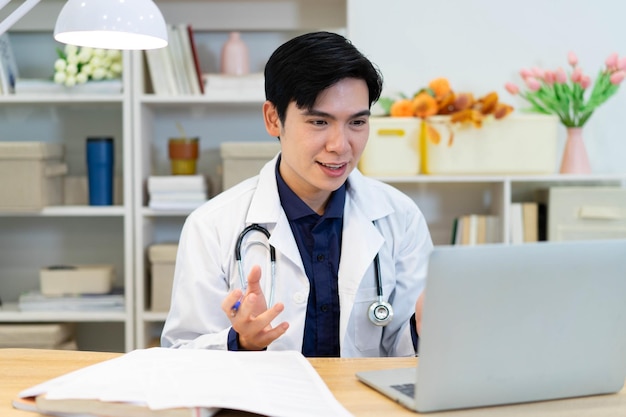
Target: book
{"points": [[196, 58], [8, 65], [176, 183], [25, 86], [191, 76], [530, 220], [36, 301], [516, 224]]}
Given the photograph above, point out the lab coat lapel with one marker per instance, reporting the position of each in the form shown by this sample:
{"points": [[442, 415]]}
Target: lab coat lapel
{"points": [[265, 209], [361, 239]]}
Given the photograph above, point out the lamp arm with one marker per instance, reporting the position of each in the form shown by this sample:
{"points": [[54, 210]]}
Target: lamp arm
{"points": [[17, 14]]}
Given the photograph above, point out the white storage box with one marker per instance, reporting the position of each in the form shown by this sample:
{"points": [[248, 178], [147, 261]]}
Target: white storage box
{"points": [[517, 144], [392, 148], [76, 279], [580, 213], [37, 336], [31, 175], [162, 258], [245, 159]]}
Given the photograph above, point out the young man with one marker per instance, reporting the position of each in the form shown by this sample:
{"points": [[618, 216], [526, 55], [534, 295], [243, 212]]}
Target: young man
{"points": [[331, 229]]}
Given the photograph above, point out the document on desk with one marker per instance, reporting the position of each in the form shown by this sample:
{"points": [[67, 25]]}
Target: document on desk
{"points": [[269, 383]]}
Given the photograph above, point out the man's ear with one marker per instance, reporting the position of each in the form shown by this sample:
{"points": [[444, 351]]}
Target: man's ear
{"points": [[270, 117]]}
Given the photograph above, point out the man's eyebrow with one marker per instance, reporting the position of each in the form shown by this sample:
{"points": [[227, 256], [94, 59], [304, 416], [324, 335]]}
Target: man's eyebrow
{"points": [[318, 113]]}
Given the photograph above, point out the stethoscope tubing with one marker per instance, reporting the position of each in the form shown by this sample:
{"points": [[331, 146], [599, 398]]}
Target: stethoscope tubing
{"points": [[374, 310]]}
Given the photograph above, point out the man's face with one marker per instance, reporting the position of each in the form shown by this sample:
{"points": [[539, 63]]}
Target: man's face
{"points": [[321, 146]]}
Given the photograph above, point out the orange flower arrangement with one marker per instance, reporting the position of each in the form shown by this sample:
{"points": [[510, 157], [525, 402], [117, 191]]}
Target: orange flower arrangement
{"points": [[439, 99]]}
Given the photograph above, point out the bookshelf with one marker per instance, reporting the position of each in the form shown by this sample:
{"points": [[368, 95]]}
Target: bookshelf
{"points": [[73, 233], [142, 122]]}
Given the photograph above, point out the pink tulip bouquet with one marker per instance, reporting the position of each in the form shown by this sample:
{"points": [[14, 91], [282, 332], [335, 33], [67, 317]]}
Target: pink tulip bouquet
{"points": [[571, 97]]}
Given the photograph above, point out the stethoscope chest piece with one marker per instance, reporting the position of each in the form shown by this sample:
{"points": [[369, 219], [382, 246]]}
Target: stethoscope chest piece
{"points": [[380, 313]]}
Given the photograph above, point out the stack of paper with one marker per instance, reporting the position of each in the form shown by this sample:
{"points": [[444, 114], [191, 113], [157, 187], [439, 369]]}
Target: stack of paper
{"points": [[165, 382], [36, 301], [177, 192]]}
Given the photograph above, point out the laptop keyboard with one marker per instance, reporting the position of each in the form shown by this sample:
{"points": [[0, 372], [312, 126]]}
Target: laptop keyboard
{"points": [[407, 389]]}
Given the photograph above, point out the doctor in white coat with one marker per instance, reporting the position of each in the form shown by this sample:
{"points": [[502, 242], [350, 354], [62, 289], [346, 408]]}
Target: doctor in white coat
{"points": [[327, 224]]}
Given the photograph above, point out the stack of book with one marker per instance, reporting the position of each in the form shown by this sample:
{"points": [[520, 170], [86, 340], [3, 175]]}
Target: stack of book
{"points": [[244, 87], [476, 229], [175, 69], [176, 192]]}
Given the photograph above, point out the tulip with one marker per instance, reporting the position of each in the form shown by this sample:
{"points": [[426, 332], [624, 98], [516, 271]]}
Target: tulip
{"points": [[549, 77], [512, 88], [617, 77], [572, 59], [621, 64], [533, 84], [560, 76], [538, 72], [612, 62], [577, 75], [585, 82], [525, 73]]}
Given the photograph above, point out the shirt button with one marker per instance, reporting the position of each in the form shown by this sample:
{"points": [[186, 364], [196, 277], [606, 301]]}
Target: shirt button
{"points": [[324, 308], [299, 298], [320, 258]]}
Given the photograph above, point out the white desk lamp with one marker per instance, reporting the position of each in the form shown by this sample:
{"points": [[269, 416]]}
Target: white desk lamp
{"points": [[107, 24]]}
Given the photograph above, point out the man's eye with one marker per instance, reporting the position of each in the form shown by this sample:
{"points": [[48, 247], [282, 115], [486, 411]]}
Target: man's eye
{"points": [[318, 122], [359, 122]]}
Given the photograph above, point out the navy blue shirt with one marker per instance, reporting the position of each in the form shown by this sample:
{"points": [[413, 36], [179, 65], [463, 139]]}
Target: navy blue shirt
{"points": [[319, 243]]}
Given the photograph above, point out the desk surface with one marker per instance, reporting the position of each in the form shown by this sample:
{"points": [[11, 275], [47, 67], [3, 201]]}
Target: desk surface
{"points": [[23, 368]]}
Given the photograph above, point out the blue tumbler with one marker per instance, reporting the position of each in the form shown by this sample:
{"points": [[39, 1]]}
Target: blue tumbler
{"points": [[100, 170]]}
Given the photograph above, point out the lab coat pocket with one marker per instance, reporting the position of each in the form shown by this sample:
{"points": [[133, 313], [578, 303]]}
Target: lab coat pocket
{"points": [[367, 335]]}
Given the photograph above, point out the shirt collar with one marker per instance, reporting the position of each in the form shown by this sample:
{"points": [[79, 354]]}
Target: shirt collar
{"points": [[295, 208]]}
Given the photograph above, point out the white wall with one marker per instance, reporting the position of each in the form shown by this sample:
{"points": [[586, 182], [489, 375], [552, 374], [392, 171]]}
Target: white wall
{"points": [[479, 45]]}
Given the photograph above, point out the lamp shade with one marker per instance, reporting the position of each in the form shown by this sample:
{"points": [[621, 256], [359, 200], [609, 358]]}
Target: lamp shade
{"points": [[111, 24]]}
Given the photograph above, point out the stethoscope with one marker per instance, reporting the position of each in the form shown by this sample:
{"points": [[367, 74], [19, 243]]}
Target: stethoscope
{"points": [[379, 312]]}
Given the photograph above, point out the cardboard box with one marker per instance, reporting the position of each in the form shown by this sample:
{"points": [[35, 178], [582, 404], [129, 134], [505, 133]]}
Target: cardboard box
{"points": [[162, 258], [242, 160], [76, 279], [517, 144], [392, 148], [31, 175]]}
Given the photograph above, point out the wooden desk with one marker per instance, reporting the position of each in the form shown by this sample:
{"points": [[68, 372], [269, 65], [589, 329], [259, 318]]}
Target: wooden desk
{"points": [[23, 368]]}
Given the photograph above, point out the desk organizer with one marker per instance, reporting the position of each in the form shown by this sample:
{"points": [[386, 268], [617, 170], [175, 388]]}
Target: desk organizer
{"points": [[31, 175], [517, 144]]}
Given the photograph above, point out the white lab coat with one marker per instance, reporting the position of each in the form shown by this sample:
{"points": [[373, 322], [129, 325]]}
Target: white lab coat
{"points": [[206, 269]]}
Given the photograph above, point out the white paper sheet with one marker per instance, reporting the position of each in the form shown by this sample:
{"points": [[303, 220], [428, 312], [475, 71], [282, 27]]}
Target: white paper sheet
{"points": [[270, 383]]}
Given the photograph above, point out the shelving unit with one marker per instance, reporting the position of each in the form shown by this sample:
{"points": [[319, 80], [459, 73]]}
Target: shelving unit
{"points": [[68, 234], [141, 123]]}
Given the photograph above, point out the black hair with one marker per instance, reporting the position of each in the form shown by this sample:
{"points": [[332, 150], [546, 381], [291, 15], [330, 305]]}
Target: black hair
{"points": [[301, 68]]}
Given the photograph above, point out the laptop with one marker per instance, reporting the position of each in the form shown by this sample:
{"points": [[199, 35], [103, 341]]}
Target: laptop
{"points": [[505, 324]]}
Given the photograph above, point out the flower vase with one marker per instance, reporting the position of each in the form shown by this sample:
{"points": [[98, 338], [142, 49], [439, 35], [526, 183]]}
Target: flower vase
{"points": [[575, 159], [234, 58]]}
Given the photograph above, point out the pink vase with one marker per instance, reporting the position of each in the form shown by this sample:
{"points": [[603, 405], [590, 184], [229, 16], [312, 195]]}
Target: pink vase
{"points": [[575, 159], [234, 59]]}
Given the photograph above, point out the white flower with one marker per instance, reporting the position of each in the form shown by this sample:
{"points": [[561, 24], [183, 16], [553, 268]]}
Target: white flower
{"points": [[59, 77], [60, 64], [79, 65]]}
